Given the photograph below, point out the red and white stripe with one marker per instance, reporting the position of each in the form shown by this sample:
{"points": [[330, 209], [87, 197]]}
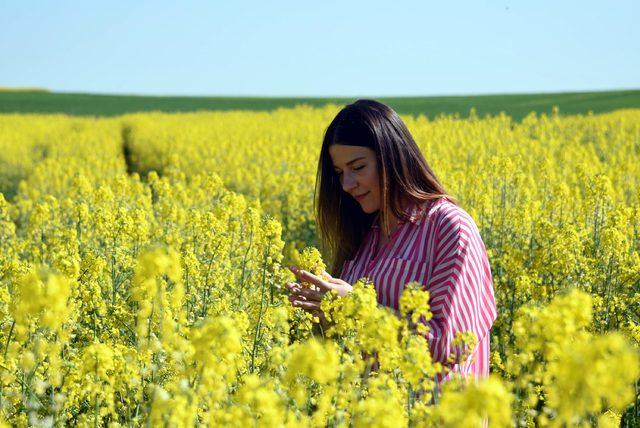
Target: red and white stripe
{"points": [[441, 248]]}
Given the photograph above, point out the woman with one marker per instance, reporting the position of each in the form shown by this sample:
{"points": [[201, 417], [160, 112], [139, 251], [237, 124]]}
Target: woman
{"points": [[384, 215]]}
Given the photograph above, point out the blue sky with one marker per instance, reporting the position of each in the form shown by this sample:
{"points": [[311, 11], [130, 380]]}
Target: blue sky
{"points": [[329, 48]]}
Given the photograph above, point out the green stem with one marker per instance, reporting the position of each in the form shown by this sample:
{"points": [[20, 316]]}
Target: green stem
{"points": [[6, 346], [259, 323], [244, 267]]}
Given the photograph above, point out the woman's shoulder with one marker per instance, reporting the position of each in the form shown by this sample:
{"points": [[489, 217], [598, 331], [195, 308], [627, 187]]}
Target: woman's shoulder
{"points": [[445, 215], [437, 209]]}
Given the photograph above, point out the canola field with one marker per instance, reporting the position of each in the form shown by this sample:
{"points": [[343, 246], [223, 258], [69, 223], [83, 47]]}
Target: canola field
{"points": [[143, 261]]}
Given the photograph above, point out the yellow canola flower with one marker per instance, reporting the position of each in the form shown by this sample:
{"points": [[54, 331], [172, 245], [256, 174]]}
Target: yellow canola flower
{"points": [[311, 261], [314, 359], [383, 406], [590, 376], [414, 305], [257, 402], [218, 339], [547, 328], [469, 406], [41, 300], [156, 305]]}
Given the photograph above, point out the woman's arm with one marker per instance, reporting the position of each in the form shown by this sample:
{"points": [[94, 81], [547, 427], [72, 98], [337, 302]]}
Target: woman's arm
{"points": [[461, 292]]}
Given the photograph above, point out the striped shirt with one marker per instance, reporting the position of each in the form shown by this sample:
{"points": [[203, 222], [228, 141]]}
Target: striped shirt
{"points": [[440, 247]]}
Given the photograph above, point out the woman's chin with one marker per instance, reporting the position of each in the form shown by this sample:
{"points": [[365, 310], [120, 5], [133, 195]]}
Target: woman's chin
{"points": [[367, 209]]}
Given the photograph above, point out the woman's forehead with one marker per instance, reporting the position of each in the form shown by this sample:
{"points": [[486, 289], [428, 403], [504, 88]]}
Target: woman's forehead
{"points": [[342, 153]]}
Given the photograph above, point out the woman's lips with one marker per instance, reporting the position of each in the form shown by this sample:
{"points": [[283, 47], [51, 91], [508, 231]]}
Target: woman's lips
{"points": [[359, 198]]}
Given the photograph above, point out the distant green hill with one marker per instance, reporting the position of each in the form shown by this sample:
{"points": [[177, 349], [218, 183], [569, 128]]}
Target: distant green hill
{"points": [[516, 105]]}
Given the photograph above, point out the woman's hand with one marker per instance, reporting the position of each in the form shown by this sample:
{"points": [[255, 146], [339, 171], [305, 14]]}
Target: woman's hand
{"points": [[309, 299]]}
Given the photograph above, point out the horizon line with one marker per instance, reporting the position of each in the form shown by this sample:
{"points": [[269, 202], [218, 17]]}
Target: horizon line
{"points": [[25, 89]]}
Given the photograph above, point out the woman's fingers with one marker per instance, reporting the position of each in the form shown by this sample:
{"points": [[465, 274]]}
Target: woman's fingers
{"points": [[306, 276], [291, 286], [307, 306], [308, 294], [297, 291]]}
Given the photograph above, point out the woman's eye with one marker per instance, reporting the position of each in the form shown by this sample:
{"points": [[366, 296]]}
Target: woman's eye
{"points": [[355, 169]]}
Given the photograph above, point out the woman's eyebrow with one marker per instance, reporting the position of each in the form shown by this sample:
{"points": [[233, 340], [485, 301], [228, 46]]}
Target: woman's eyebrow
{"points": [[353, 160]]}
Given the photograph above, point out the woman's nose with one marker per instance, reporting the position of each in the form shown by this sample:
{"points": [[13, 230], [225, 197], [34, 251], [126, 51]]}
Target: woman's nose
{"points": [[348, 181]]}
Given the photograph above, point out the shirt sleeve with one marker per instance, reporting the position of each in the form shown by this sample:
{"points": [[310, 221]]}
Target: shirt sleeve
{"points": [[461, 291]]}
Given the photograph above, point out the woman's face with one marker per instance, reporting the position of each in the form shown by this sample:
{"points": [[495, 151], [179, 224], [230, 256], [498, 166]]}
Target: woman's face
{"points": [[357, 169]]}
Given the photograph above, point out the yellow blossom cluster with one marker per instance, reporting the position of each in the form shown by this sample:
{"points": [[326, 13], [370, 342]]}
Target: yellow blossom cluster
{"points": [[142, 270]]}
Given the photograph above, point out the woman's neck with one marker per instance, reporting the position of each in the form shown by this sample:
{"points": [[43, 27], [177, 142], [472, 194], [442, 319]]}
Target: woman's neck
{"points": [[394, 221]]}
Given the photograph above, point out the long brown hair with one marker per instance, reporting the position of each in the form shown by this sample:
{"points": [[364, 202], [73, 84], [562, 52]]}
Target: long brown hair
{"points": [[404, 175]]}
